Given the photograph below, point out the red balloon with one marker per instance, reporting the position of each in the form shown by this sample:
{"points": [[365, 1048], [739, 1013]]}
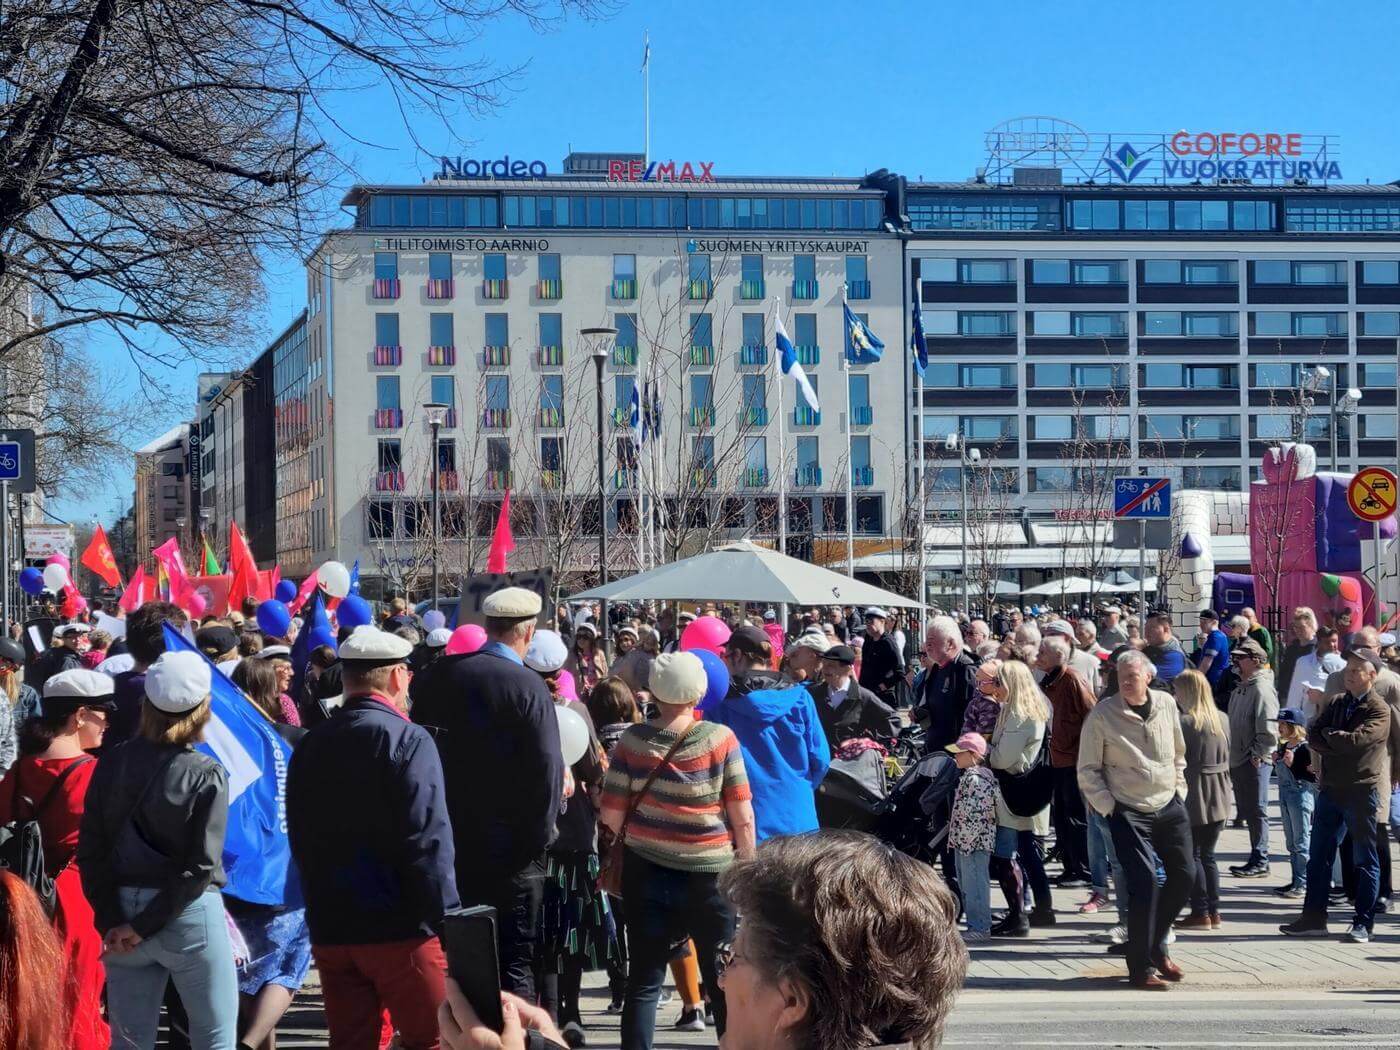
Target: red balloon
{"points": [[707, 632], [1349, 588], [466, 639]]}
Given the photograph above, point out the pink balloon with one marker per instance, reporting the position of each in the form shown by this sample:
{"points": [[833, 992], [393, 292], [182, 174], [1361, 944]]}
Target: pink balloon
{"points": [[466, 639], [195, 604], [707, 632], [59, 559]]}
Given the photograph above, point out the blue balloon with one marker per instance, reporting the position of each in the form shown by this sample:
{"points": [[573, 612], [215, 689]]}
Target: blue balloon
{"points": [[274, 619], [286, 591], [353, 611], [31, 581], [718, 676]]}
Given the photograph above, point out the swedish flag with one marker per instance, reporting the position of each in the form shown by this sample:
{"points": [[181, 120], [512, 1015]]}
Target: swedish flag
{"points": [[862, 347]]}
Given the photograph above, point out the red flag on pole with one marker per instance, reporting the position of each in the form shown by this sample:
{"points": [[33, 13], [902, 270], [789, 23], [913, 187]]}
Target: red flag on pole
{"points": [[308, 588], [170, 558], [99, 558], [138, 591], [247, 581], [502, 542]]}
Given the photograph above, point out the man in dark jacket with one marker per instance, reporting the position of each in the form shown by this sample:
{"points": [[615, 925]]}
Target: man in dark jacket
{"points": [[881, 663], [846, 708], [949, 684], [495, 727], [1351, 735], [145, 640], [370, 835], [62, 656]]}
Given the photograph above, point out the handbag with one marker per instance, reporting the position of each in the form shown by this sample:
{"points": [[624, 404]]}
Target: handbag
{"points": [[1028, 792], [610, 871], [22, 841]]}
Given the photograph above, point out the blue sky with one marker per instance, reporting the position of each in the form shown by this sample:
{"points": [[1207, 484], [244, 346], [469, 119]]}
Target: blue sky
{"points": [[838, 88]]}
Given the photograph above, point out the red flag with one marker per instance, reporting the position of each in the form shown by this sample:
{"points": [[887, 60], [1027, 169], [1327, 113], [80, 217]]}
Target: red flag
{"points": [[170, 558], [308, 588], [247, 581], [138, 591], [502, 542], [99, 558]]}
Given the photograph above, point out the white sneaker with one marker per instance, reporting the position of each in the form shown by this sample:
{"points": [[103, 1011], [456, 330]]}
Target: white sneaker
{"points": [[975, 936], [1113, 935]]}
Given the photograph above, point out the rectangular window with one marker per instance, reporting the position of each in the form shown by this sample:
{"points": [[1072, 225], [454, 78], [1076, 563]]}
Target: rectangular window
{"points": [[1380, 271], [440, 330], [1380, 322], [386, 392], [1320, 325], [804, 330], [987, 271], [1272, 427], [386, 266], [701, 330], [1161, 271], [860, 453], [1352, 215], [1186, 215], [551, 453], [1215, 215], [1319, 273], [1273, 375], [626, 330], [381, 513], [702, 391], [860, 394], [439, 266], [443, 390], [1052, 479], [1377, 425], [1052, 427], [804, 268], [623, 385], [1098, 271], [703, 453], [549, 267], [756, 455], [498, 455], [751, 268], [1050, 271], [1050, 322], [497, 393], [1099, 324], [938, 271], [1146, 215], [1095, 215], [386, 329], [1273, 271], [987, 323], [552, 330], [989, 428], [755, 392], [981, 212], [857, 269], [1194, 271], [699, 267], [987, 377], [1253, 215], [497, 329], [1110, 427], [1272, 323], [753, 330], [447, 454], [390, 455], [493, 266], [808, 454], [625, 267], [551, 393], [940, 322], [1378, 374]]}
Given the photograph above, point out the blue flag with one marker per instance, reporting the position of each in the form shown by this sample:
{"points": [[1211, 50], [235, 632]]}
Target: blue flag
{"points": [[355, 577], [787, 361], [920, 344], [257, 858], [862, 348]]}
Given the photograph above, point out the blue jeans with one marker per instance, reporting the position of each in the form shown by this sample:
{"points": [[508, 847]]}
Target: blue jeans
{"points": [[1251, 785], [193, 952], [1103, 858], [1331, 817], [1297, 799], [975, 882], [1030, 854]]}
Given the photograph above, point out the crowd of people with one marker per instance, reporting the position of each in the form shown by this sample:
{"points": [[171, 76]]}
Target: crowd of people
{"points": [[681, 833]]}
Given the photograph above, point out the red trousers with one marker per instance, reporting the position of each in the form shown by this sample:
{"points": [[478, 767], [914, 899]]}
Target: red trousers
{"points": [[360, 981]]}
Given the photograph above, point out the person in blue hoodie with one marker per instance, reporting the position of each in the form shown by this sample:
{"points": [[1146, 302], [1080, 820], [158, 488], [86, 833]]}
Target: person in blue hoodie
{"points": [[785, 750]]}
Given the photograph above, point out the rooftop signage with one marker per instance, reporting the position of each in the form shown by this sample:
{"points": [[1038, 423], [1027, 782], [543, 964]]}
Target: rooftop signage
{"points": [[620, 170], [504, 168], [1266, 156]]}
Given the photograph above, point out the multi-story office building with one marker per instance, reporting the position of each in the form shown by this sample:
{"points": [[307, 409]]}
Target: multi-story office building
{"points": [[162, 501], [293, 374], [474, 293]]}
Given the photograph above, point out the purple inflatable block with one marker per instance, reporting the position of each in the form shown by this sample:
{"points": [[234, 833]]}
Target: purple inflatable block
{"points": [[1338, 531], [1232, 592]]}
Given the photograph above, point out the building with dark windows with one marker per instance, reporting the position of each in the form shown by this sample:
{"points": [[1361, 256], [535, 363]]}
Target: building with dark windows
{"points": [[293, 372]]}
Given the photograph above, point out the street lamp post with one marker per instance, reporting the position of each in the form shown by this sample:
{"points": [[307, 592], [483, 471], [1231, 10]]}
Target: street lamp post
{"points": [[436, 412], [598, 339], [966, 457]]}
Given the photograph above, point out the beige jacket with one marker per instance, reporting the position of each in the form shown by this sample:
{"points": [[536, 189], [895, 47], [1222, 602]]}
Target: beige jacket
{"points": [[1123, 758]]}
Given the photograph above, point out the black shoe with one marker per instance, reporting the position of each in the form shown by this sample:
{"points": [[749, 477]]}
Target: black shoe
{"points": [[1237, 823], [1117, 949], [1256, 870], [1382, 905], [1042, 917], [1287, 889], [1337, 894], [574, 1035], [1012, 926], [1305, 927]]}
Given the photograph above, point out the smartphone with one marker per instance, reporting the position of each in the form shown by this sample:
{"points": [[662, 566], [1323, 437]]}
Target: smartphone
{"points": [[469, 941]]}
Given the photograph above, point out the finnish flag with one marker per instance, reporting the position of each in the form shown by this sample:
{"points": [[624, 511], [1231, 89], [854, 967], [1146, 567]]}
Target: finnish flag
{"points": [[787, 360], [634, 418]]}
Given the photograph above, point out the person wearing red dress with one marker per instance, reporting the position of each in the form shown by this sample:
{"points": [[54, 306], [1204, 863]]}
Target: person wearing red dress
{"points": [[48, 784]]}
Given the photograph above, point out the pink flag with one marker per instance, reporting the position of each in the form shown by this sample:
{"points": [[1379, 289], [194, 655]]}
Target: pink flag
{"points": [[502, 542], [170, 558], [308, 588], [137, 591]]}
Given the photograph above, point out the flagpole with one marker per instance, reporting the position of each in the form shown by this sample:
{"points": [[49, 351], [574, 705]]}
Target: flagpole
{"points": [[919, 518], [782, 451], [646, 97], [850, 466]]}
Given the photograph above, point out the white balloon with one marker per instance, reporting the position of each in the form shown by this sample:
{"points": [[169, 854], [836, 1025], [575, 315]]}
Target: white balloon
{"points": [[573, 734], [55, 578], [334, 579]]}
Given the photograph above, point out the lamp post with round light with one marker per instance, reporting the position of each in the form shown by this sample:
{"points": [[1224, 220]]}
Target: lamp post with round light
{"points": [[436, 412], [597, 340]]}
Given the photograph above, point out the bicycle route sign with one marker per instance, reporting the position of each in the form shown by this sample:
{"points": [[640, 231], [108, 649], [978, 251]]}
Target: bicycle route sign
{"points": [[17, 459], [1371, 494]]}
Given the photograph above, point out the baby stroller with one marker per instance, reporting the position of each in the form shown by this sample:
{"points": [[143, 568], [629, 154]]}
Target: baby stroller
{"points": [[914, 818], [852, 794]]}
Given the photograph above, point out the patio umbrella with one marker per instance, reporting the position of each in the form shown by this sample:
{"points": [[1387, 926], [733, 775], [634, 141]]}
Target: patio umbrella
{"points": [[1065, 585], [743, 572], [1131, 587]]}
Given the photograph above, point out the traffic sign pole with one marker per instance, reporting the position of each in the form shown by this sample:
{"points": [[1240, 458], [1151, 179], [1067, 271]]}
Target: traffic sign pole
{"points": [[5, 553], [1142, 576]]}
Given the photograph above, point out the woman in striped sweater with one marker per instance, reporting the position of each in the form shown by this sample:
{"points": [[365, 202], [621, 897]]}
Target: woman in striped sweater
{"points": [[682, 832]]}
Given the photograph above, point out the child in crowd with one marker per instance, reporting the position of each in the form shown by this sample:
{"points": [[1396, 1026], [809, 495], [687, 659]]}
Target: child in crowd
{"points": [[972, 832], [98, 644], [1297, 793]]}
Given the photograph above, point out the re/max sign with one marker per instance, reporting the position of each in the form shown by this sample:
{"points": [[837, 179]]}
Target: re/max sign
{"points": [[660, 171]]}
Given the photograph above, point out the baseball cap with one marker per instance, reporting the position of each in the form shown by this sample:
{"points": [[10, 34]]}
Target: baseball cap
{"points": [[974, 742], [1293, 716], [841, 654], [1252, 649], [749, 639]]}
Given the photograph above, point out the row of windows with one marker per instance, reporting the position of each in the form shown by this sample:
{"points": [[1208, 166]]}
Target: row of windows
{"points": [[1155, 376], [1197, 323], [1156, 426], [1374, 272]]}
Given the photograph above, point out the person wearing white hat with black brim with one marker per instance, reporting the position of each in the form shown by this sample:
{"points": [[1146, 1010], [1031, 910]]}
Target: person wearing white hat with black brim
{"points": [[369, 830], [494, 723], [62, 655], [150, 855]]}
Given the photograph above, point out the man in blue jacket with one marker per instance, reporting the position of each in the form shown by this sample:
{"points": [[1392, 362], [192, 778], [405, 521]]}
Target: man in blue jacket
{"points": [[785, 751], [367, 820]]}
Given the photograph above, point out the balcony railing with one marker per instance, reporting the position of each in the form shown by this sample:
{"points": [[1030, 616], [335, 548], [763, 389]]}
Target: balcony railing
{"points": [[751, 289], [702, 415], [702, 356], [495, 418], [441, 288], [549, 288], [622, 416], [551, 479], [624, 288], [388, 355], [551, 417], [703, 477], [386, 287], [625, 478], [442, 356], [700, 289], [449, 418], [755, 477], [495, 356], [857, 289], [862, 476], [753, 357], [753, 416], [448, 481], [551, 356], [805, 416], [862, 415], [806, 289], [807, 476], [497, 480], [625, 356], [498, 288], [808, 355], [388, 481], [388, 418]]}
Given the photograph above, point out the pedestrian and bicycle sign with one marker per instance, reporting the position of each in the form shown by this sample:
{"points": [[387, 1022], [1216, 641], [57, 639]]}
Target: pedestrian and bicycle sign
{"points": [[1142, 497], [17, 460], [1371, 494]]}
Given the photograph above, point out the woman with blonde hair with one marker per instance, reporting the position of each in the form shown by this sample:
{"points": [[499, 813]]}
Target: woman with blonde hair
{"points": [[1208, 792], [1017, 739]]}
